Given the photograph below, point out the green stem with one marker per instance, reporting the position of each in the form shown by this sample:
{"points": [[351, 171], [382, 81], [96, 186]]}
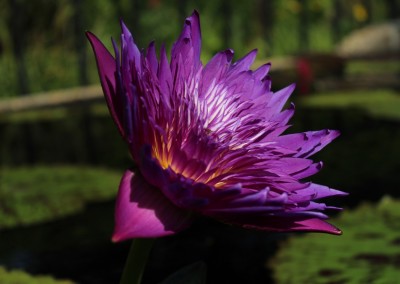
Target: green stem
{"points": [[136, 261]]}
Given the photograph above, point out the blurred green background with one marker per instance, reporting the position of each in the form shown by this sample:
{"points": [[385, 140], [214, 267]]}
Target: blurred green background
{"points": [[61, 157]]}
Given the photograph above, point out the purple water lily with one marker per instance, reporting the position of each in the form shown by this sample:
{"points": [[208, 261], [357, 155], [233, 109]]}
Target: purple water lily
{"points": [[207, 140]]}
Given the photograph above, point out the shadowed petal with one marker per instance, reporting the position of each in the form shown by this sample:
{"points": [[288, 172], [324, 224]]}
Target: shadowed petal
{"points": [[142, 211], [151, 57], [107, 68], [129, 46], [282, 224]]}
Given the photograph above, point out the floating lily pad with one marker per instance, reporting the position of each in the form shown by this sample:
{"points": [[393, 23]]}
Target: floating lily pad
{"points": [[21, 277], [378, 103], [31, 195], [367, 252]]}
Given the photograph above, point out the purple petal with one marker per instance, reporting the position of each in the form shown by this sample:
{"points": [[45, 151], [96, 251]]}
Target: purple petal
{"points": [[315, 191], [188, 45], [307, 143], [311, 170], [317, 225], [207, 140], [142, 211], [129, 46], [278, 100], [257, 198], [150, 169], [291, 165], [165, 76], [262, 71], [282, 223], [194, 22], [251, 210], [284, 116], [107, 67], [151, 58], [215, 69], [243, 64]]}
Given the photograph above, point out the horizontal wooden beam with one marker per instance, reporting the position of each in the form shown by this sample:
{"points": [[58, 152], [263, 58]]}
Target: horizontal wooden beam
{"points": [[74, 96]]}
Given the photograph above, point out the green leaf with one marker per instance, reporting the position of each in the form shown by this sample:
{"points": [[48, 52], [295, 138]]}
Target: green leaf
{"points": [[33, 195], [21, 277], [367, 252]]}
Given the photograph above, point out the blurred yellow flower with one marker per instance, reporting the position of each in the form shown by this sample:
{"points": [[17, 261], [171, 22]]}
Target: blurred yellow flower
{"points": [[360, 12]]}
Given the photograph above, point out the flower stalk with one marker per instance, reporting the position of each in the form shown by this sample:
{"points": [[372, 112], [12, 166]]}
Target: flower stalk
{"points": [[136, 261]]}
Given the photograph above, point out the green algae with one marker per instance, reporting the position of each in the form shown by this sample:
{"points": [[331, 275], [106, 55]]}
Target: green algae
{"points": [[31, 195], [21, 277], [367, 252]]}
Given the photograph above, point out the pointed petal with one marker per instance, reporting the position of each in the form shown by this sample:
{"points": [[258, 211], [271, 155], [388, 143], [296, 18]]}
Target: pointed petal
{"points": [[283, 224], [215, 70], [311, 170], [262, 71], [284, 116], [165, 76], [315, 191], [142, 211], [279, 99], [129, 46], [188, 45], [307, 143], [194, 21], [244, 63], [107, 67], [151, 57]]}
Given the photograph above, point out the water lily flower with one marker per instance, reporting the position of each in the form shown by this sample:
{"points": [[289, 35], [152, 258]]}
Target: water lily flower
{"points": [[207, 140]]}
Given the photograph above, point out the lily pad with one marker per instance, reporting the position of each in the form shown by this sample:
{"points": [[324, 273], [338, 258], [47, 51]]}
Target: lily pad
{"points": [[367, 252], [378, 103], [31, 195], [21, 277]]}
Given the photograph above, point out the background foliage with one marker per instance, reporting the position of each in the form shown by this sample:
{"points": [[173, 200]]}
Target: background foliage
{"points": [[42, 44], [60, 167]]}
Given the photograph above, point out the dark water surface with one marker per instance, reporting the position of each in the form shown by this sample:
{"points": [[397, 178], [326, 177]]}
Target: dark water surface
{"points": [[79, 248], [364, 161]]}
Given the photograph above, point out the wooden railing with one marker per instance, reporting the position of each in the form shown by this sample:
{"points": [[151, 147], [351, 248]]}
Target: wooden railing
{"points": [[74, 96], [283, 69]]}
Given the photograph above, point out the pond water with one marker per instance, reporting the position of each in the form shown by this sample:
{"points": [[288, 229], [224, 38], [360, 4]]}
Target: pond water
{"points": [[76, 247], [79, 248], [364, 161]]}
